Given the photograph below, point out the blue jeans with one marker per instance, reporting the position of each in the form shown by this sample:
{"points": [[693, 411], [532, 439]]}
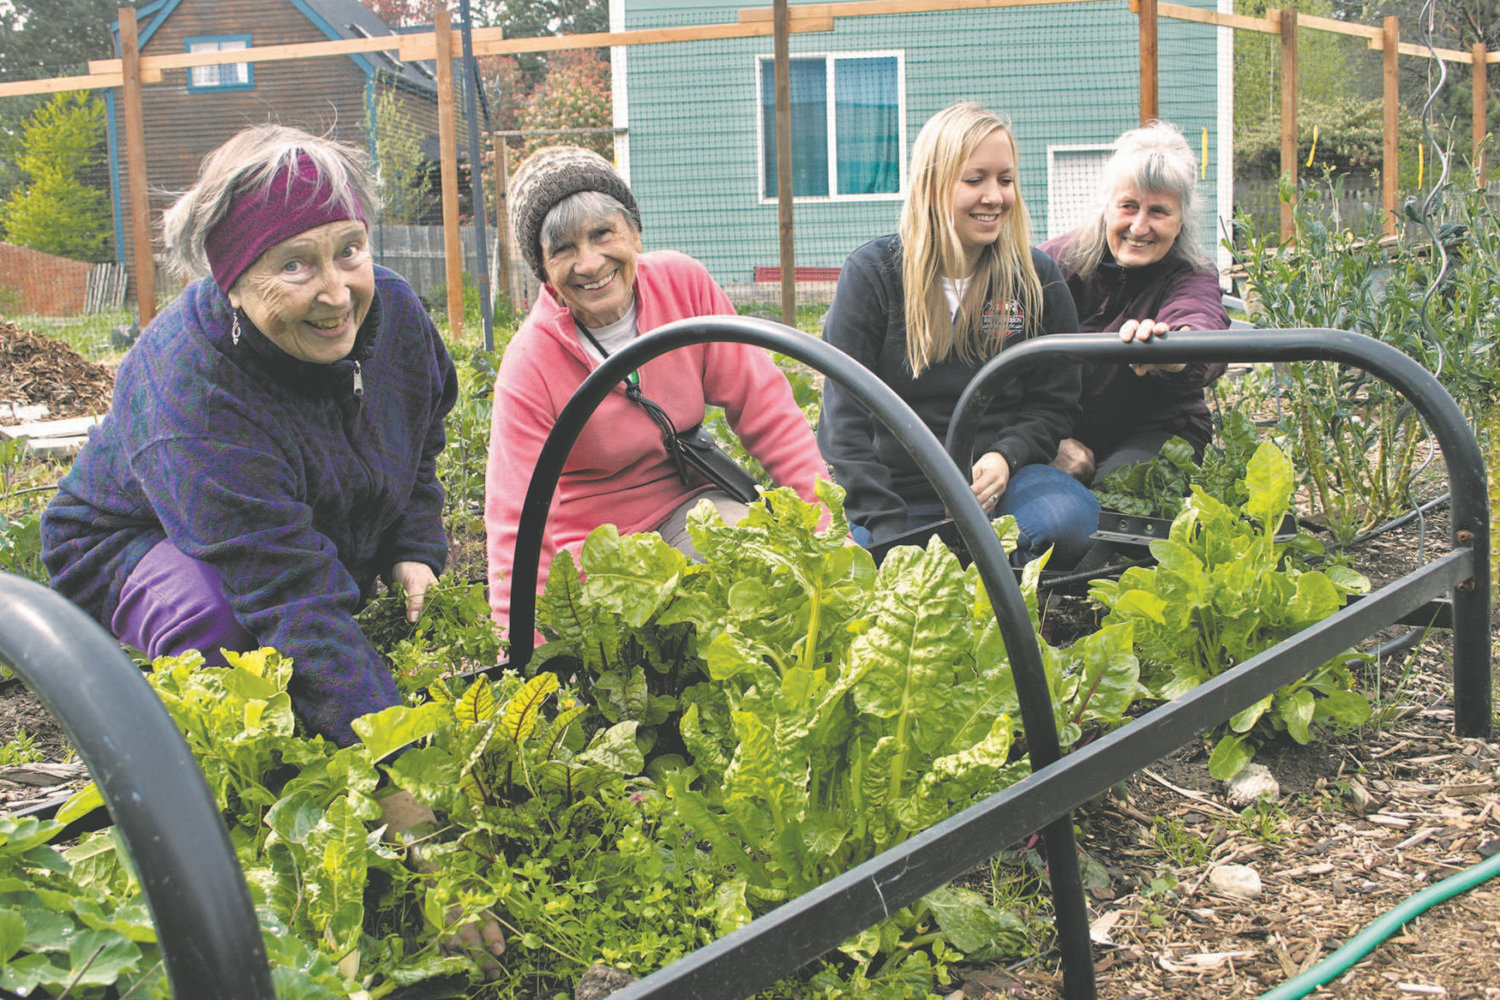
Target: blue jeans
{"points": [[1052, 510]]}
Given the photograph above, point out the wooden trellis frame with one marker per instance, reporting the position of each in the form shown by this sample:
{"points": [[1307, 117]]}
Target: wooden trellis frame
{"points": [[132, 71]]}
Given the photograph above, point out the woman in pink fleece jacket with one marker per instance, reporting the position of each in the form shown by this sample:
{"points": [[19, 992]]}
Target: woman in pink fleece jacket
{"points": [[578, 226]]}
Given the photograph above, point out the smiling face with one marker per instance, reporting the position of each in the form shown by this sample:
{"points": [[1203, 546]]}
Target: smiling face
{"points": [[309, 294], [1141, 226], [984, 193], [592, 270]]}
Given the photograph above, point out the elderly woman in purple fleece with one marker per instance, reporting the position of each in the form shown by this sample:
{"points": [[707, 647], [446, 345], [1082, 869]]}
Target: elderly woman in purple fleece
{"points": [[1135, 268], [271, 450]]}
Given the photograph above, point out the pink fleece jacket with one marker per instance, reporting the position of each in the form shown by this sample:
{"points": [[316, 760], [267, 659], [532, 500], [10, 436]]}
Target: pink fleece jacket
{"points": [[619, 471]]}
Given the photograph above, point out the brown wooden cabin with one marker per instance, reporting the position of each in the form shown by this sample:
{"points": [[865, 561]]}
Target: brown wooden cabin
{"points": [[192, 111]]}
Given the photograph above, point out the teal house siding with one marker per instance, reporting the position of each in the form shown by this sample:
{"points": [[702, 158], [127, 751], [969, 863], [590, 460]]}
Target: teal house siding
{"points": [[1067, 75]]}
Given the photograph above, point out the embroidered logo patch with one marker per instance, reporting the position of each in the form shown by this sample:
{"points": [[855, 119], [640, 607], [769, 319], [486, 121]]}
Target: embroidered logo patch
{"points": [[1013, 318]]}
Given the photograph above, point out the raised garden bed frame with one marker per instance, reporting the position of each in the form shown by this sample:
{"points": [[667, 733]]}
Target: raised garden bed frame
{"points": [[196, 890]]}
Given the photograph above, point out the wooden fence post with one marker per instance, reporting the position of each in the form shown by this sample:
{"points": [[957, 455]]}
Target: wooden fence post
{"points": [[502, 225], [1479, 70], [1390, 162], [1288, 29], [1150, 108], [453, 252], [141, 260], [787, 255]]}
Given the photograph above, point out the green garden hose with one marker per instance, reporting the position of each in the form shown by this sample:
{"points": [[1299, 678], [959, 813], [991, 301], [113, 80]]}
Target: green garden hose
{"points": [[1365, 941]]}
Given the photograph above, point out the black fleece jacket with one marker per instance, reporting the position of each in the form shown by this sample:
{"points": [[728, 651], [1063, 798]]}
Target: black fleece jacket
{"points": [[867, 320]]}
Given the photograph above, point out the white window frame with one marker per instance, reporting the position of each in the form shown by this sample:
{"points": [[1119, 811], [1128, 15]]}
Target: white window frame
{"points": [[234, 43], [828, 58]]}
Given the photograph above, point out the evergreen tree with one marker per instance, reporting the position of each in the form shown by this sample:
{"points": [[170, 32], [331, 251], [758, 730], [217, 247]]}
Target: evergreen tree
{"points": [[54, 210]]}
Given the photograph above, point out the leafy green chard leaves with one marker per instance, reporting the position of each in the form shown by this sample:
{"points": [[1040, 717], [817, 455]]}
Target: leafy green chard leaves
{"points": [[1220, 593], [826, 710], [56, 928], [1159, 486], [701, 742]]}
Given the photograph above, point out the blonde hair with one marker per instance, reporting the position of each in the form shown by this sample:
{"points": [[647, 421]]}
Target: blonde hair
{"points": [[1155, 158], [931, 249]]}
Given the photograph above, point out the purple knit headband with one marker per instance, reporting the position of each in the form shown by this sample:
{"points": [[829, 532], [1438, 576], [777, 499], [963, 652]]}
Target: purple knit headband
{"points": [[294, 202]]}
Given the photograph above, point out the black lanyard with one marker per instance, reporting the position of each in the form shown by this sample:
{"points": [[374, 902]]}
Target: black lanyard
{"points": [[656, 413]]}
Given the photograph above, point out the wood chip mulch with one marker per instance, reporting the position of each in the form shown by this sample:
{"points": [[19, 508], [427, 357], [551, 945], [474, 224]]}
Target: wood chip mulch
{"points": [[36, 370]]}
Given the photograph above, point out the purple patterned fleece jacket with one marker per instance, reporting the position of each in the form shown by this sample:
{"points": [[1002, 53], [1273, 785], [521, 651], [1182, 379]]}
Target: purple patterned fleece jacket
{"points": [[296, 486]]}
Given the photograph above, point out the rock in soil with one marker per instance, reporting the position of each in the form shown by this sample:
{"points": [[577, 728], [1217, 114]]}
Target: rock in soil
{"points": [[1254, 782], [1239, 881], [599, 981]]}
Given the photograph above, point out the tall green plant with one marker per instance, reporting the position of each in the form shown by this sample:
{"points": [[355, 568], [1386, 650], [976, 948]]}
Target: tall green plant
{"points": [[1355, 440], [1220, 593]]}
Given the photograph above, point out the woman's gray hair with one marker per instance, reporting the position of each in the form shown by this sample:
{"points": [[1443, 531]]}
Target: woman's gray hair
{"points": [[251, 159], [574, 214], [1155, 158]]}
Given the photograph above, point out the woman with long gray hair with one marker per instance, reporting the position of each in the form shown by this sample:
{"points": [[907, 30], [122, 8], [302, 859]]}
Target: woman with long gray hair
{"points": [[1136, 268]]}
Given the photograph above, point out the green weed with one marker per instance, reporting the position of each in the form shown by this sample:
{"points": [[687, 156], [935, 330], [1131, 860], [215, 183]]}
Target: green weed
{"points": [[1182, 846], [21, 749]]}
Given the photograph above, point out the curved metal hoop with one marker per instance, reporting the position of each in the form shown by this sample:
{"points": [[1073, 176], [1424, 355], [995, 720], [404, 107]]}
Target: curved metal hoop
{"points": [[210, 938], [952, 487], [1466, 475]]}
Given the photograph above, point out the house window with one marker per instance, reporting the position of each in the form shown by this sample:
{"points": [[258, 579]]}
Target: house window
{"points": [[848, 125], [229, 76]]}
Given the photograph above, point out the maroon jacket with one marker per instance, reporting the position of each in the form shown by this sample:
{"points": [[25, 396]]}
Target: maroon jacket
{"points": [[1116, 401]]}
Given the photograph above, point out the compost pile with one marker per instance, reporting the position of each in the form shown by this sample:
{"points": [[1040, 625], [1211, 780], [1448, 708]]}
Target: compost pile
{"points": [[37, 370]]}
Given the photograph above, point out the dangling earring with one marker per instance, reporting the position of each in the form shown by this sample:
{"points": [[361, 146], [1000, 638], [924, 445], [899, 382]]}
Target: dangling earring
{"points": [[234, 331]]}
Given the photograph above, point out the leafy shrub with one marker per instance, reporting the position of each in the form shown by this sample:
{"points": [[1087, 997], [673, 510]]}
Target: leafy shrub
{"points": [[55, 212], [1219, 594]]}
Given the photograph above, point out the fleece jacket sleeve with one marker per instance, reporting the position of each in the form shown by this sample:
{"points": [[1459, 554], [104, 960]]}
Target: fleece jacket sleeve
{"points": [[1050, 403], [1192, 301]]}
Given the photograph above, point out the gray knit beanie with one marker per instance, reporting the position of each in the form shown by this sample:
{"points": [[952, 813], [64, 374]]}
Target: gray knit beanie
{"points": [[549, 175]]}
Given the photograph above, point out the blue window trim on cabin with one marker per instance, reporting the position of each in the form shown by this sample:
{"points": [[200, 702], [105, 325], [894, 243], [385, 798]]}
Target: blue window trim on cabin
{"points": [[219, 88], [851, 129]]}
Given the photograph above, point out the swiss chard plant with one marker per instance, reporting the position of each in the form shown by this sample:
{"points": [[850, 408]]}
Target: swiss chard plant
{"points": [[1221, 592], [824, 710], [59, 931], [749, 727]]}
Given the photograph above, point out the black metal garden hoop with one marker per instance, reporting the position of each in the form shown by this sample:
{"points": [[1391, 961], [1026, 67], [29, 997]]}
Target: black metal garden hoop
{"points": [[154, 790]]}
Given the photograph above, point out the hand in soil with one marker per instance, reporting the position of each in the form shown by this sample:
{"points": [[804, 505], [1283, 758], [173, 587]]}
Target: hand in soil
{"points": [[407, 821]]}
